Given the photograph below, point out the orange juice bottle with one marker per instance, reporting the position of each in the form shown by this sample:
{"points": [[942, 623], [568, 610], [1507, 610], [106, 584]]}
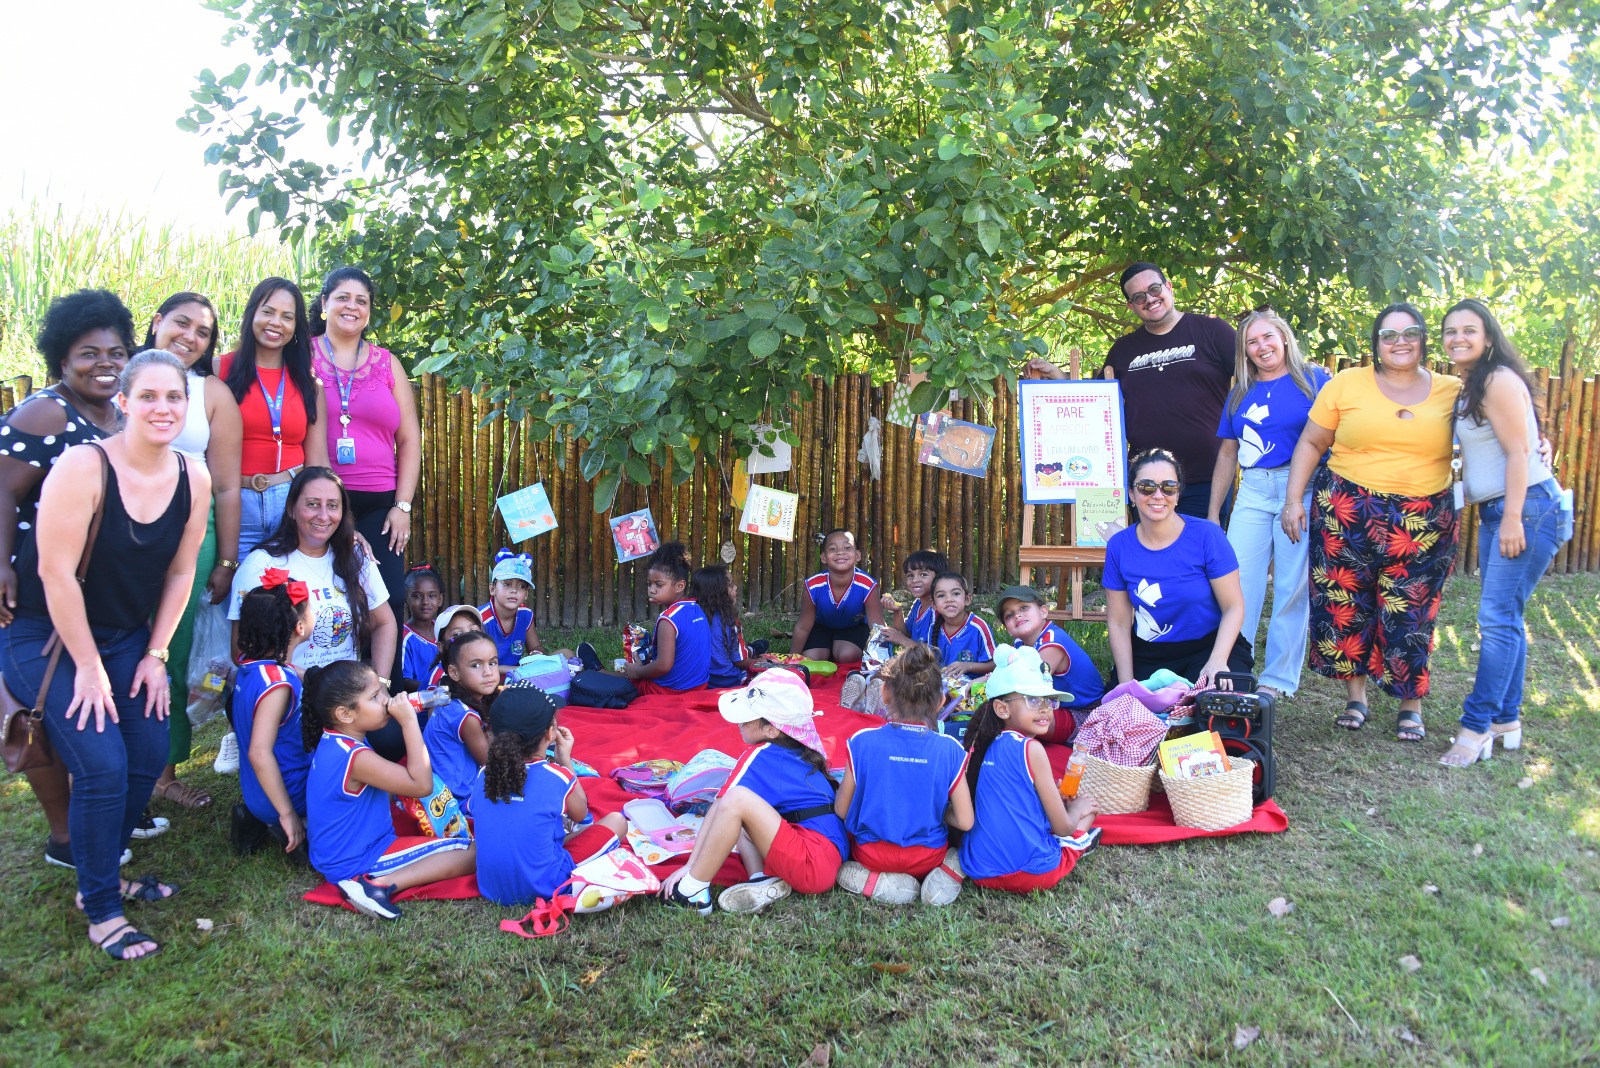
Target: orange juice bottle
{"points": [[1073, 778]]}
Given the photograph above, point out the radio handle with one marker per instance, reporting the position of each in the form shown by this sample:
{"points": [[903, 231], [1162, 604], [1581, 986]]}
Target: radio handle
{"points": [[1243, 681]]}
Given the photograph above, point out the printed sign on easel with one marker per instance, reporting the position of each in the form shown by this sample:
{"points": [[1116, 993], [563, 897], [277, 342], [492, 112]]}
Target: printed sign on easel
{"points": [[1071, 437]]}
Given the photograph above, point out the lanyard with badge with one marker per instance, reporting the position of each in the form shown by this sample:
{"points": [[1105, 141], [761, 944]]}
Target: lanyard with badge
{"points": [[344, 449], [275, 411]]}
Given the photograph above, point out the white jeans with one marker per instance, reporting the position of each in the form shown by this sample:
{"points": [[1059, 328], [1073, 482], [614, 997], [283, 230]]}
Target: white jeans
{"points": [[1258, 539]]}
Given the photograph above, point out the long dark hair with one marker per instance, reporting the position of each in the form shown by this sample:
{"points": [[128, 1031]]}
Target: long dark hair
{"points": [[336, 278], [1416, 314], [327, 688], [808, 754], [267, 619], [203, 365], [709, 589], [296, 353], [1498, 352], [347, 555], [448, 656], [505, 772], [981, 733]]}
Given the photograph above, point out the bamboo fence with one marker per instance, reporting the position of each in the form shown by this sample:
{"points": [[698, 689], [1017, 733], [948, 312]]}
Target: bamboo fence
{"points": [[471, 455]]}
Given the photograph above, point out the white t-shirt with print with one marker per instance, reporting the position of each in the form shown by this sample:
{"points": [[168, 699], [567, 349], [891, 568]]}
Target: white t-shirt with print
{"points": [[333, 635]]}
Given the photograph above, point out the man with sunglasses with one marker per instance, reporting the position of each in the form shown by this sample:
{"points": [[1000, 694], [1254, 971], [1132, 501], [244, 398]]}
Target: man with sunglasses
{"points": [[1175, 372]]}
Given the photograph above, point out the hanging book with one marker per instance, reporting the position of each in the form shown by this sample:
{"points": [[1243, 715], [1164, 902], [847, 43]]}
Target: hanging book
{"points": [[634, 535], [954, 445], [769, 513], [527, 512]]}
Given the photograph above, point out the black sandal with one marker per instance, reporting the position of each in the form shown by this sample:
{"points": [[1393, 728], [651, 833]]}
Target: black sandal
{"points": [[131, 936], [1354, 716], [148, 888], [1408, 727]]}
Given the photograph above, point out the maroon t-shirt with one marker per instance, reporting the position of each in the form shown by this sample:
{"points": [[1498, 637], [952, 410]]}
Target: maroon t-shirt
{"points": [[1173, 387]]}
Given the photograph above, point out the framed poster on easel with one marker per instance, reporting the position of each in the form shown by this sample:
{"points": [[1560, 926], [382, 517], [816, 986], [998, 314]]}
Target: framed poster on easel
{"points": [[1073, 443]]}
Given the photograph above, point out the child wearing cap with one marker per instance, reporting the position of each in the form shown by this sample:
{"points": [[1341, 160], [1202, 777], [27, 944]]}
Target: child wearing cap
{"points": [[526, 803], [903, 784], [776, 807], [915, 622], [453, 621], [506, 618], [1023, 613], [1024, 838]]}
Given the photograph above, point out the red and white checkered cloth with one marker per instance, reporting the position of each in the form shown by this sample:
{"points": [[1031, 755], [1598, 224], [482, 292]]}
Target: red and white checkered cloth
{"points": [[1122, 731]]}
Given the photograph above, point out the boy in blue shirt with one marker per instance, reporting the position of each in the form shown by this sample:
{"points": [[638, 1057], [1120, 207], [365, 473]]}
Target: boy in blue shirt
{"points": [[1023, 613]]}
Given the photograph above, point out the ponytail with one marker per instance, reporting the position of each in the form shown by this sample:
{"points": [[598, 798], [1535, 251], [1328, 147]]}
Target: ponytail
{"points": [[914, 680], [505, 773], [340, 683], [981, 733]]}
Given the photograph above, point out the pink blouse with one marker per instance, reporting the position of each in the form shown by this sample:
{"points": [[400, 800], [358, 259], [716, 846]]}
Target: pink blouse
{"points": [[366, 395]]}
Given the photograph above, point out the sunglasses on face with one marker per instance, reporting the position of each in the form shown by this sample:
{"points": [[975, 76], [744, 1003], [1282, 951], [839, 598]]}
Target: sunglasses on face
{"points": [[1144, 297], [1410, 333], [1149, 488]]}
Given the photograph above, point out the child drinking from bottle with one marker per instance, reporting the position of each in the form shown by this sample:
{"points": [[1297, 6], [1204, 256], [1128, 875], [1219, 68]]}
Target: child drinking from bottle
{"points": [[274, 618], [840, 606]]}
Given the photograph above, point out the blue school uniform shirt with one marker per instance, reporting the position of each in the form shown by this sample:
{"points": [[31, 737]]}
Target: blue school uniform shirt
{"points": [[785, 780], [1011, 833], [451, 759], [417, 655], [848, 612], [691, 653], [254, 680], [920, 622], [348, 825], [972, 643], [904, 773], [513, 646], [521, 855], [727, 649], [1171, 588], [1081, 679], [1269, 419]]}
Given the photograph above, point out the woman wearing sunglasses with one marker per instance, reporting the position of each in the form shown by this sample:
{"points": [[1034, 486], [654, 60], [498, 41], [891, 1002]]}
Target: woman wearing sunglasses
{"points": [[1383, 524], [1172, 585]]}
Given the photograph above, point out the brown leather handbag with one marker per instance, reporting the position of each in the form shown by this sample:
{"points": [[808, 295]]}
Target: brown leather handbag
{"points": [[25, 744]]}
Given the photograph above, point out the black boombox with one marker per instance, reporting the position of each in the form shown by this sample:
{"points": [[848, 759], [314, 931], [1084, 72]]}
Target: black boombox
{"points": [[1242, 718]]}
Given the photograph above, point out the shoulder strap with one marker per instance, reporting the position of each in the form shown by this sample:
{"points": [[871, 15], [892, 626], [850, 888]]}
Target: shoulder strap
{"points": [[55, 644]]}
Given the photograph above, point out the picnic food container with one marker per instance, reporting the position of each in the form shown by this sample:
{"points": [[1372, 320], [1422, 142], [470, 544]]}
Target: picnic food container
{"points": [[1117, 789], [1212, 802]]}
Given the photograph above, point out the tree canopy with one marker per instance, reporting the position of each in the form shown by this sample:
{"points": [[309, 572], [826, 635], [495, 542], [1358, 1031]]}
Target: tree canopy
{"points": [[646, 223]]}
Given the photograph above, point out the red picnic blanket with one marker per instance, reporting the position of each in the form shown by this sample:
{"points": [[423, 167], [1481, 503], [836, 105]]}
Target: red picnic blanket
{"points": [[676, 727]]}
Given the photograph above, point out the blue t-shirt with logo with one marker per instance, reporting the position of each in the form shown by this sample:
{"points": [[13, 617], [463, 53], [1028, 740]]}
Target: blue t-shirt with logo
{"points": [[1269, 419], [727, 649], [254, 680], [848, 611], [1171, 588], [512, 644], [904, 773], [521, 850], [691, 653], [447, 750], [417, 655], [348, 826], [1011, 833], [919, 622], [786, 780], [973, 642], [1081, 679]]}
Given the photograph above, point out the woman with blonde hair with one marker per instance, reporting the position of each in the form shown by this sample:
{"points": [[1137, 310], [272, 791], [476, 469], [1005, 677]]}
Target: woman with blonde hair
{"points": [[1266, 410]]}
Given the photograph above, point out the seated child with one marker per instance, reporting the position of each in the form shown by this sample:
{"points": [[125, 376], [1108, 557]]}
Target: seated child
{"points": [[525, 803], [840, 605], [274, 618], [454, 735], [964, 642], [776, 807], [1024, 837], [904, 782], [915, 624], [455, 620], [717, 594], [680, 656], [419, 644], [1022, 612], [353, 843], [506, 618]]}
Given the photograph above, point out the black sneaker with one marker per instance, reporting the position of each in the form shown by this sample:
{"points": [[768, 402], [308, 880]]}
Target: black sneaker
{"points": [[150, 826], [60, 854], [590, 658], [700, 901], [370, 897], [759, 647], [245, 833]]}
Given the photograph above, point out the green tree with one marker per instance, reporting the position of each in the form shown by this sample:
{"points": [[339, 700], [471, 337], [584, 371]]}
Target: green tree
{"points": [[645, 223]]}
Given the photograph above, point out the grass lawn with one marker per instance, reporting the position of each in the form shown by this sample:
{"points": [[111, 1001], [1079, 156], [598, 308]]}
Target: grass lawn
{"points": [[1488, 877]]}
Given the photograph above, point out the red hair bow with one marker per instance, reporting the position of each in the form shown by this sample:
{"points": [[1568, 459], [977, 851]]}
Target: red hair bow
{"points": [[273, 577]]}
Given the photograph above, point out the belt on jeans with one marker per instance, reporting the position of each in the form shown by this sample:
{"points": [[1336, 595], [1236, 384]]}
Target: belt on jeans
{"points": [[262, 482]]}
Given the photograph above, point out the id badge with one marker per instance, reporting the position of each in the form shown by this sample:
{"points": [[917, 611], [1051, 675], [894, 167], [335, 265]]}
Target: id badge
{"points": [[344, 451], [1460, 495]]}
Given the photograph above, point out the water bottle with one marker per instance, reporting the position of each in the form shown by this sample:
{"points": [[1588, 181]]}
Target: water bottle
{"points": [[429, 699], [1073, 778]]}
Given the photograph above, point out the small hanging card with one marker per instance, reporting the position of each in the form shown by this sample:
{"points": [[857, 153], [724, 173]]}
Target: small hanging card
{"points": [[741, 483], [771, 439], [900, 412], [527, 512], [634, 535], [1100, 514], [954, 445], [769, 513]]}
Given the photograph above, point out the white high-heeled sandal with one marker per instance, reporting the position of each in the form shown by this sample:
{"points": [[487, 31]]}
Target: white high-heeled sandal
{"points": [[1485, 749], [1510, 738]]}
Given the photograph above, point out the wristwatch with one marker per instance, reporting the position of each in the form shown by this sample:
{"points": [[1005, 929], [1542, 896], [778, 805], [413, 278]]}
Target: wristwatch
{"points": [[231, 565], [159, 654], [404, 506]]}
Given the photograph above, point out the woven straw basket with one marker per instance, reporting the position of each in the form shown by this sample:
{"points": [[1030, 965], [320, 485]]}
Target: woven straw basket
{"points": [[1116, 788], [1214, 802]]}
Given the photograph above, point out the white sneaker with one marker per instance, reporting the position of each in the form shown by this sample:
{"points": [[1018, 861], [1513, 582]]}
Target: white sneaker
{"points": [[886, 888], [754, 896], [943, 884], [151, 826], [227, 762]]}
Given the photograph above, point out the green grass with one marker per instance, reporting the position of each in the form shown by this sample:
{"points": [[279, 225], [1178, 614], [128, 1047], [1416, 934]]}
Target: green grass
{"points": [[1145, 955]]}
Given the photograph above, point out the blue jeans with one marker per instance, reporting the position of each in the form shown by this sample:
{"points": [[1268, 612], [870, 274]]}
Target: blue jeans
{"points": [[259, 513], [1496, 695], [113, 771], [1258, 540]]}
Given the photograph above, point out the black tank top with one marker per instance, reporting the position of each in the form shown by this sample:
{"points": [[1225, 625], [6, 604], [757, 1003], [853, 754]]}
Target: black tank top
{"points": [[129, 563]]}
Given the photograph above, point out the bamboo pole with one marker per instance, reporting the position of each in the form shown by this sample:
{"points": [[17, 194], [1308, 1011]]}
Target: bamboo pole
{"points": [[1588, 506]]}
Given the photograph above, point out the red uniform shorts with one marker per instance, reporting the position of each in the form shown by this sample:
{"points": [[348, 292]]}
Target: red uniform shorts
{"points": [[650, 686], [886, 856], [1025, 882], [805, 859], [590, 842]]}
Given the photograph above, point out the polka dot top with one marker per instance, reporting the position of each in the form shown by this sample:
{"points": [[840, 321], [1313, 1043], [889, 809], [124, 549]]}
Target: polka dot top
{"points": [[42, 450]]}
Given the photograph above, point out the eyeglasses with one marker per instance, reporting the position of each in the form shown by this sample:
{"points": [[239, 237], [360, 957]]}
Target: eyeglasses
{"points": [[1148, 488], [1144, 297], [1410, 333], [1032, 704]]}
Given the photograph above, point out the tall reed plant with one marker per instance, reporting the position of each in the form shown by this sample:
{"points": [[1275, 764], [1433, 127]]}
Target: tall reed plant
{"points": [[48, 250]]}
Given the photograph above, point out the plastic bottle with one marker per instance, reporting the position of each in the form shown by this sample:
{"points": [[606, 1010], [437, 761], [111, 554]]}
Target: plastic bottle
{"points": [[1073, 778], [431, 698]]}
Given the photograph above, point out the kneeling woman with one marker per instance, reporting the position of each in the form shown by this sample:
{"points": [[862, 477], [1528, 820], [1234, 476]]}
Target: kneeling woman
{"points": [[1172, 585]]}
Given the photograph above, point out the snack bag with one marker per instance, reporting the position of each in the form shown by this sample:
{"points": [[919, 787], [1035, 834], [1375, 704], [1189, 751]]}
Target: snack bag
{"points": [[636, 644], [438, 815], [878, 649]]}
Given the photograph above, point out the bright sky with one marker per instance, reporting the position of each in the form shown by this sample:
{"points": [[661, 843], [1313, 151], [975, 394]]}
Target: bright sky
{"points": [[93, 90]]}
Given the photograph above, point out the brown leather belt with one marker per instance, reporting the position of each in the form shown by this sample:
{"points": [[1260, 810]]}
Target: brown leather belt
{"points": [[262, 483]]}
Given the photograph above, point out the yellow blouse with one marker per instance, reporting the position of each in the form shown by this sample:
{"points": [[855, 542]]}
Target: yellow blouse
{"points": [[1378, 449]]}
